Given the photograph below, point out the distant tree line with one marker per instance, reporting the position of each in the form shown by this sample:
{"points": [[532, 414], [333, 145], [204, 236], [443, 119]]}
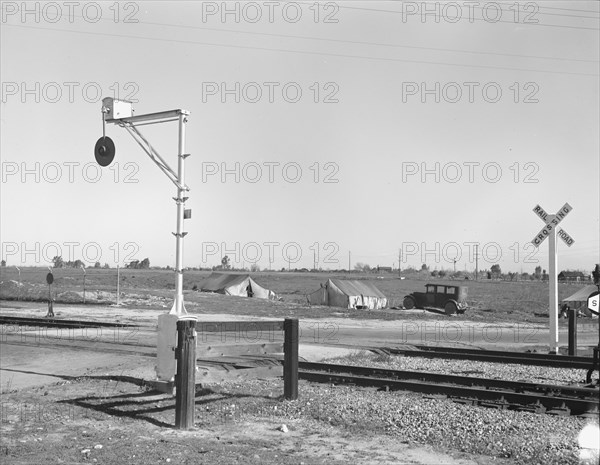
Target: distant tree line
{"points": [[137, 265], [58, 262]]}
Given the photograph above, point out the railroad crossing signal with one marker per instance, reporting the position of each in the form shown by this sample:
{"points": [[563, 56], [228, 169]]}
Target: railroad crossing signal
{"points": [[549, 230], [120, 112], [551, 223]]}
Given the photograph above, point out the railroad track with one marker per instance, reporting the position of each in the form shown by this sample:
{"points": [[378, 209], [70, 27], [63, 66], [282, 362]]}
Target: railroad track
{"points": [[498, 356], [83, 335], [533, 397], [129, 339], [60, 323]]}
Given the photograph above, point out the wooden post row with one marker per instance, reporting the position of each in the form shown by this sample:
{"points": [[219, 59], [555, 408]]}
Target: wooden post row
{"points": [[572, 332], [290, 358], [185, 379]]}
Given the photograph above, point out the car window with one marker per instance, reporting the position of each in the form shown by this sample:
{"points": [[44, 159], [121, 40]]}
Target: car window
{"points": [[440, 289], [430, 288], [451, 290]]}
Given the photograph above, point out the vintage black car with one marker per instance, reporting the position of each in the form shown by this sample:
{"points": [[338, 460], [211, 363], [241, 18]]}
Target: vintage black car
{"points": [[452, 299]]}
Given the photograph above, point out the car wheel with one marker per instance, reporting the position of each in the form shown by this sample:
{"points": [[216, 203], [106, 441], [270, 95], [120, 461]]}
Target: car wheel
{"points": [[450, 308], [408, 303]]}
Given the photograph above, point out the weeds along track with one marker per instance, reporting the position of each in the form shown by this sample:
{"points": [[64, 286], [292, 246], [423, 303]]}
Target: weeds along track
{"points": [[501, 394]]}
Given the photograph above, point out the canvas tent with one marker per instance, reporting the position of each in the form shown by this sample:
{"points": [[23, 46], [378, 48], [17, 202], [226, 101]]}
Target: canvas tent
{"points": [[348, 294], [579, 299], [235, 284]]}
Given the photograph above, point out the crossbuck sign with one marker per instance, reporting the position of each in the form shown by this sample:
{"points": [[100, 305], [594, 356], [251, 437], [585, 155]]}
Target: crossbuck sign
{"points": [[551, 222], [549, 230]]}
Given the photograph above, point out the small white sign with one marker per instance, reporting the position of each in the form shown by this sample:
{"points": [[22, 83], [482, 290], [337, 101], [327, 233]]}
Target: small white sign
{"points": [[593, 302]]}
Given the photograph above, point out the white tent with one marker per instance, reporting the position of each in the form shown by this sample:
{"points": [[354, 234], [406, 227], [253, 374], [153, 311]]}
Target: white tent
{"points": [[578, 300], [235, 284], [348, 294]]}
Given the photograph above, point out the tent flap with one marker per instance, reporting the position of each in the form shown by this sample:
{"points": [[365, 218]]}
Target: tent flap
{"points": [[348, 294], [235, 284], [578, 300]]}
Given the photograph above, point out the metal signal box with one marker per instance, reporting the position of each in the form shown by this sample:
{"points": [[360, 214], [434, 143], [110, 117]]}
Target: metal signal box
{"points": [[116, 109]]}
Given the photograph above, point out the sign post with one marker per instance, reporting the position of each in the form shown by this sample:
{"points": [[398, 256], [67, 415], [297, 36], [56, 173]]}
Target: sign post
{"points": [[593, 302], [549, 230]]}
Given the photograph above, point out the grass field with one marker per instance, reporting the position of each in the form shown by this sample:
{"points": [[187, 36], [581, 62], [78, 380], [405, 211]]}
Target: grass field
{"points": [[489, 300]]}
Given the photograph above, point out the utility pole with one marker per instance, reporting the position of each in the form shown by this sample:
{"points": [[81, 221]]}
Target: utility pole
{"points": [[349, 269], [399, 261], [83, 269], [19, 294], [118, 284], [476, 262]]}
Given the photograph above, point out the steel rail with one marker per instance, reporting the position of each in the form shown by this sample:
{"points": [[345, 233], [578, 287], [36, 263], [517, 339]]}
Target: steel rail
{"points": [[106, 347], [503, 353], [488, 383], [60, 323], [522, 358], [535, 402]]}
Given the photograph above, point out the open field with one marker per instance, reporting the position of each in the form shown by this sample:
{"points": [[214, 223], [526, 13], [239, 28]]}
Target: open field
{"points": [[78, 404], [489, 300]]}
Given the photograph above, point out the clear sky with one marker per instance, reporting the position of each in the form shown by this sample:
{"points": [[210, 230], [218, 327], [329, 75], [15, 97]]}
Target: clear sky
{"points": [[316, 130]]}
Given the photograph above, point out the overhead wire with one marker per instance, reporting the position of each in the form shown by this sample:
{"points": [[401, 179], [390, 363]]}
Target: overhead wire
{"points": [[357, 42], [483, 19], [353, 42], [303, 52]]}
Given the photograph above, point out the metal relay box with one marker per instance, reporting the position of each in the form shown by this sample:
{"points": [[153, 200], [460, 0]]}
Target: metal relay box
{"points": [[117, 109]]}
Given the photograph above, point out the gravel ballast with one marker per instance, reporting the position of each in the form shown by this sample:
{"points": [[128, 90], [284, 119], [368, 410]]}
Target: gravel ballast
{"points": [[492, 370], [518, 437]]}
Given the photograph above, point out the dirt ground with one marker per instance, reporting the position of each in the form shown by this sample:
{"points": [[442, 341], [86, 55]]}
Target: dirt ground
{"points": [[91, 415], [70, 405]]}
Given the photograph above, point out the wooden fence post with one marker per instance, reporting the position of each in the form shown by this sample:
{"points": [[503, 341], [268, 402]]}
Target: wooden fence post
{"points": [[290, 359], [185, 379], [572, 332]]}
